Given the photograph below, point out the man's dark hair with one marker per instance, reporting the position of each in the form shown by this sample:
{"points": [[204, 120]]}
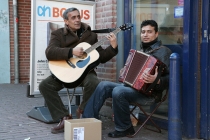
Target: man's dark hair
{"points": [[65, 13], [151, 23]]}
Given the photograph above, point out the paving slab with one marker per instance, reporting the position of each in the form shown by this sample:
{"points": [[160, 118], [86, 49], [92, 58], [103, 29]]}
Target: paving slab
{"points": [[16, 125]]}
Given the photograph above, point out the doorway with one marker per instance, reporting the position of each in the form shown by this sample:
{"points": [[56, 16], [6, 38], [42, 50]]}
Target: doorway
{"points": [[169, 16]]}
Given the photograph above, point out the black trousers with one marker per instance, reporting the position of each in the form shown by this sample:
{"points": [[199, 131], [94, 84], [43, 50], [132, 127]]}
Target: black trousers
{"points": [[49, 88]]}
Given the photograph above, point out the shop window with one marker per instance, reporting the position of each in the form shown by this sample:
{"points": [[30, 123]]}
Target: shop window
{"points": [[167, 13], [169, 16]]}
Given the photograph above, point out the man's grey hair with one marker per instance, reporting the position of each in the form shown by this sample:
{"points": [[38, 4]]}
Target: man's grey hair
{"points": [[65, 13]]}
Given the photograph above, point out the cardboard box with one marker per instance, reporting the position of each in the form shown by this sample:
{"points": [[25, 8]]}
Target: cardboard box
{"points": [[82, 129]]}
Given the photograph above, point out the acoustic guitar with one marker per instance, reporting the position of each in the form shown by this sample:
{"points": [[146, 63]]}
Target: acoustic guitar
{"points": [[73, 71]]}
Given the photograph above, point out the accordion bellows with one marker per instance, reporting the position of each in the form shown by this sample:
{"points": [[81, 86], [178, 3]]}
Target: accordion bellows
{"points": [[136, 63]]}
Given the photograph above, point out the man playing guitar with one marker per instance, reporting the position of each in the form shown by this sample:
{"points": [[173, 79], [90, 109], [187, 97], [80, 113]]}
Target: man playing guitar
{"points": [[62, 47]]}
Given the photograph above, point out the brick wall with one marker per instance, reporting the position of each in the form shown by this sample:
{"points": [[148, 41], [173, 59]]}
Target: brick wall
{"points": [[105, 18], [24, 22]]}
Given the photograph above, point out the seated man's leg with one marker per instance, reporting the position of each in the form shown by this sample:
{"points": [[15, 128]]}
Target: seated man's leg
{"points": [[49, 89], [90, 83], [96, 101], [122, 96]]}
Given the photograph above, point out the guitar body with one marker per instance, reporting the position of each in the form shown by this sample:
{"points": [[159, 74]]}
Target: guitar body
{"points": [[73, 72]]}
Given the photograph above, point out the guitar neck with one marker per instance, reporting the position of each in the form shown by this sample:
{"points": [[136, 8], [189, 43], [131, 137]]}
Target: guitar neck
{"points": [[94, 46]]}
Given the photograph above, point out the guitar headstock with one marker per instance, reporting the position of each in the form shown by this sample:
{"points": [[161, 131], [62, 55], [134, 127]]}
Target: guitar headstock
{"points": [[126, 26]]}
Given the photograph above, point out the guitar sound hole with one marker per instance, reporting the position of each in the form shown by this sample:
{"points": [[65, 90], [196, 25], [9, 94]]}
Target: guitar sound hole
{"points": [[84, 55]]}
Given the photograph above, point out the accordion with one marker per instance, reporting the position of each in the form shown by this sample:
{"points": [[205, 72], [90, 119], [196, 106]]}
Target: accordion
{"points": [[136, 64]]}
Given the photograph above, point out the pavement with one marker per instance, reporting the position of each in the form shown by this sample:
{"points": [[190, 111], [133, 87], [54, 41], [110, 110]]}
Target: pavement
{"points": [[15, 124]]}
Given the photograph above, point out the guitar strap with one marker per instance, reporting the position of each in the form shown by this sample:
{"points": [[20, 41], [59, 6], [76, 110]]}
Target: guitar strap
{"points": [[80, 32], [108, 30]]}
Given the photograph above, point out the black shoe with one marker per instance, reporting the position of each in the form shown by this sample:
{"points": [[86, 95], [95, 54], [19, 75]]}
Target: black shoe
{"points": [[117, 134], [60, 127]]}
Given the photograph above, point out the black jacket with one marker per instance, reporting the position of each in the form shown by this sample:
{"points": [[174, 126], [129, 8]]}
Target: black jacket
{"points": [[163, 54]]}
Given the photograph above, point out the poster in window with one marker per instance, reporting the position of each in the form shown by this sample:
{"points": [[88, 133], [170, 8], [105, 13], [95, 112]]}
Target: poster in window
{"points": [[46, 16]]}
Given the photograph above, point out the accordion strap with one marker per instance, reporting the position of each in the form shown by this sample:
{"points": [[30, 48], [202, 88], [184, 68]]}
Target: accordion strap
{"points": [[154, 49], [150, 88], [160, 68]]}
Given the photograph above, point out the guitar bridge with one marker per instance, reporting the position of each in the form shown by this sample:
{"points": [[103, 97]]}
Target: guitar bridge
{"points": [[71, 64]]}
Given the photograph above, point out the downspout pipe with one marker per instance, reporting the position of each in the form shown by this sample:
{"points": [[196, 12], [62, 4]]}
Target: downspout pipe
{"points": [[16, 54], [120, 36]]}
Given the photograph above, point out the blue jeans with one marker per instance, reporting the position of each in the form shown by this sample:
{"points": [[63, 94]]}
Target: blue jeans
{"points": [[122, 96]]}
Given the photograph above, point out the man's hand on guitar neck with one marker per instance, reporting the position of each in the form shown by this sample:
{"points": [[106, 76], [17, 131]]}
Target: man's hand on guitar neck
{"points": [[112, 39]]}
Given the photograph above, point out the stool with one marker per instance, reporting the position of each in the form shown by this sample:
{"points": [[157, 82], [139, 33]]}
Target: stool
{"points": [[148, 116], [70, 100]]}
